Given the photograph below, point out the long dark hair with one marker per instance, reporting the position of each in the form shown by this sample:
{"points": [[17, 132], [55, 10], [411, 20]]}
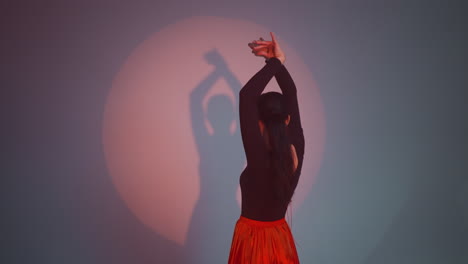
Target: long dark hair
{"points": [[273, 113]]}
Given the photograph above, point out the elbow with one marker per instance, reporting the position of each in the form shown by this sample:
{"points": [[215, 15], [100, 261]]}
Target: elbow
{"points": [[246, 89], [244, 96]]}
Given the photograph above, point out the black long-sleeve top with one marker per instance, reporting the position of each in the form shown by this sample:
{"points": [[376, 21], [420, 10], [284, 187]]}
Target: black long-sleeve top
{"points": [[256, 183]]}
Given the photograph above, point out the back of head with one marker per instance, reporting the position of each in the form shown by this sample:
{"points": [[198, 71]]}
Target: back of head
{"points": [[272, 107], [273, 113]]}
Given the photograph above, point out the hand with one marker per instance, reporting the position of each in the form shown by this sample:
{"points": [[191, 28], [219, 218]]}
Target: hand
{"points": [[263, 50], [268, 49]]}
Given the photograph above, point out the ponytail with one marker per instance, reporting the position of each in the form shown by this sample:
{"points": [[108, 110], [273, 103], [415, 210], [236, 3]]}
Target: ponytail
{"points": [[273, 113], [281, 157]]}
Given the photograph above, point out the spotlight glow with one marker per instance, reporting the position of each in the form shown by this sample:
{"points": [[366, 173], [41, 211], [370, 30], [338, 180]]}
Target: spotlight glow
{"points": [[149, 143]]}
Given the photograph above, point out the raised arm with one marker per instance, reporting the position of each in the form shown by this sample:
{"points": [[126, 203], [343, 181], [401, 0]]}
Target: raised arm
{"points": [[254, 146], [296, 132], [272, 50], [288, 88]]}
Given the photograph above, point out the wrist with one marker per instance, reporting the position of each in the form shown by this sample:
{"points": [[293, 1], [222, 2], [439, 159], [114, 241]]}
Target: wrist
{"points": [[278, 58], [282, 59]]}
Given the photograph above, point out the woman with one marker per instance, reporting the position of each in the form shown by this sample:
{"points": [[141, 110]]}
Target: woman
{"points": [[273, 141]]}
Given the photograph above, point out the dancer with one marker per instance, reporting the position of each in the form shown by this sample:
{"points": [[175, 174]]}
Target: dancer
{"points": [[273, 141]]}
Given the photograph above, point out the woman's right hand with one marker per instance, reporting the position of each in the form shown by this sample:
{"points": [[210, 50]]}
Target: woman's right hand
{"points": [[272, 46]]}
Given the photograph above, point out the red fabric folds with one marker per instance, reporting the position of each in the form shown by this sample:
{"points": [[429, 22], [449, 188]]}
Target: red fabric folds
{"points": [[262, 242]]}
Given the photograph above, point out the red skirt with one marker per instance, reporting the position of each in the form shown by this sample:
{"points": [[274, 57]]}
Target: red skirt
{"points": [[262, 242]]}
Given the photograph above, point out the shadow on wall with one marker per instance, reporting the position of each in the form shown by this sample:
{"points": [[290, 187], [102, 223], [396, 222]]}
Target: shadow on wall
{"points": [[119, 235], [216, 211]]}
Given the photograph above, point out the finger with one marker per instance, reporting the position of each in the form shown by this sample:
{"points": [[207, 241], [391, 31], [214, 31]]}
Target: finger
{"points": [[257, 53], [253, 45], [263, 51], [260, 47], [260, 54], [273, 37], [264, 42]]}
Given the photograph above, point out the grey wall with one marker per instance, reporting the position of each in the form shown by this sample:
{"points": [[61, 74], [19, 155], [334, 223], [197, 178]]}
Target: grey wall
{"points": [[393, 185]]}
